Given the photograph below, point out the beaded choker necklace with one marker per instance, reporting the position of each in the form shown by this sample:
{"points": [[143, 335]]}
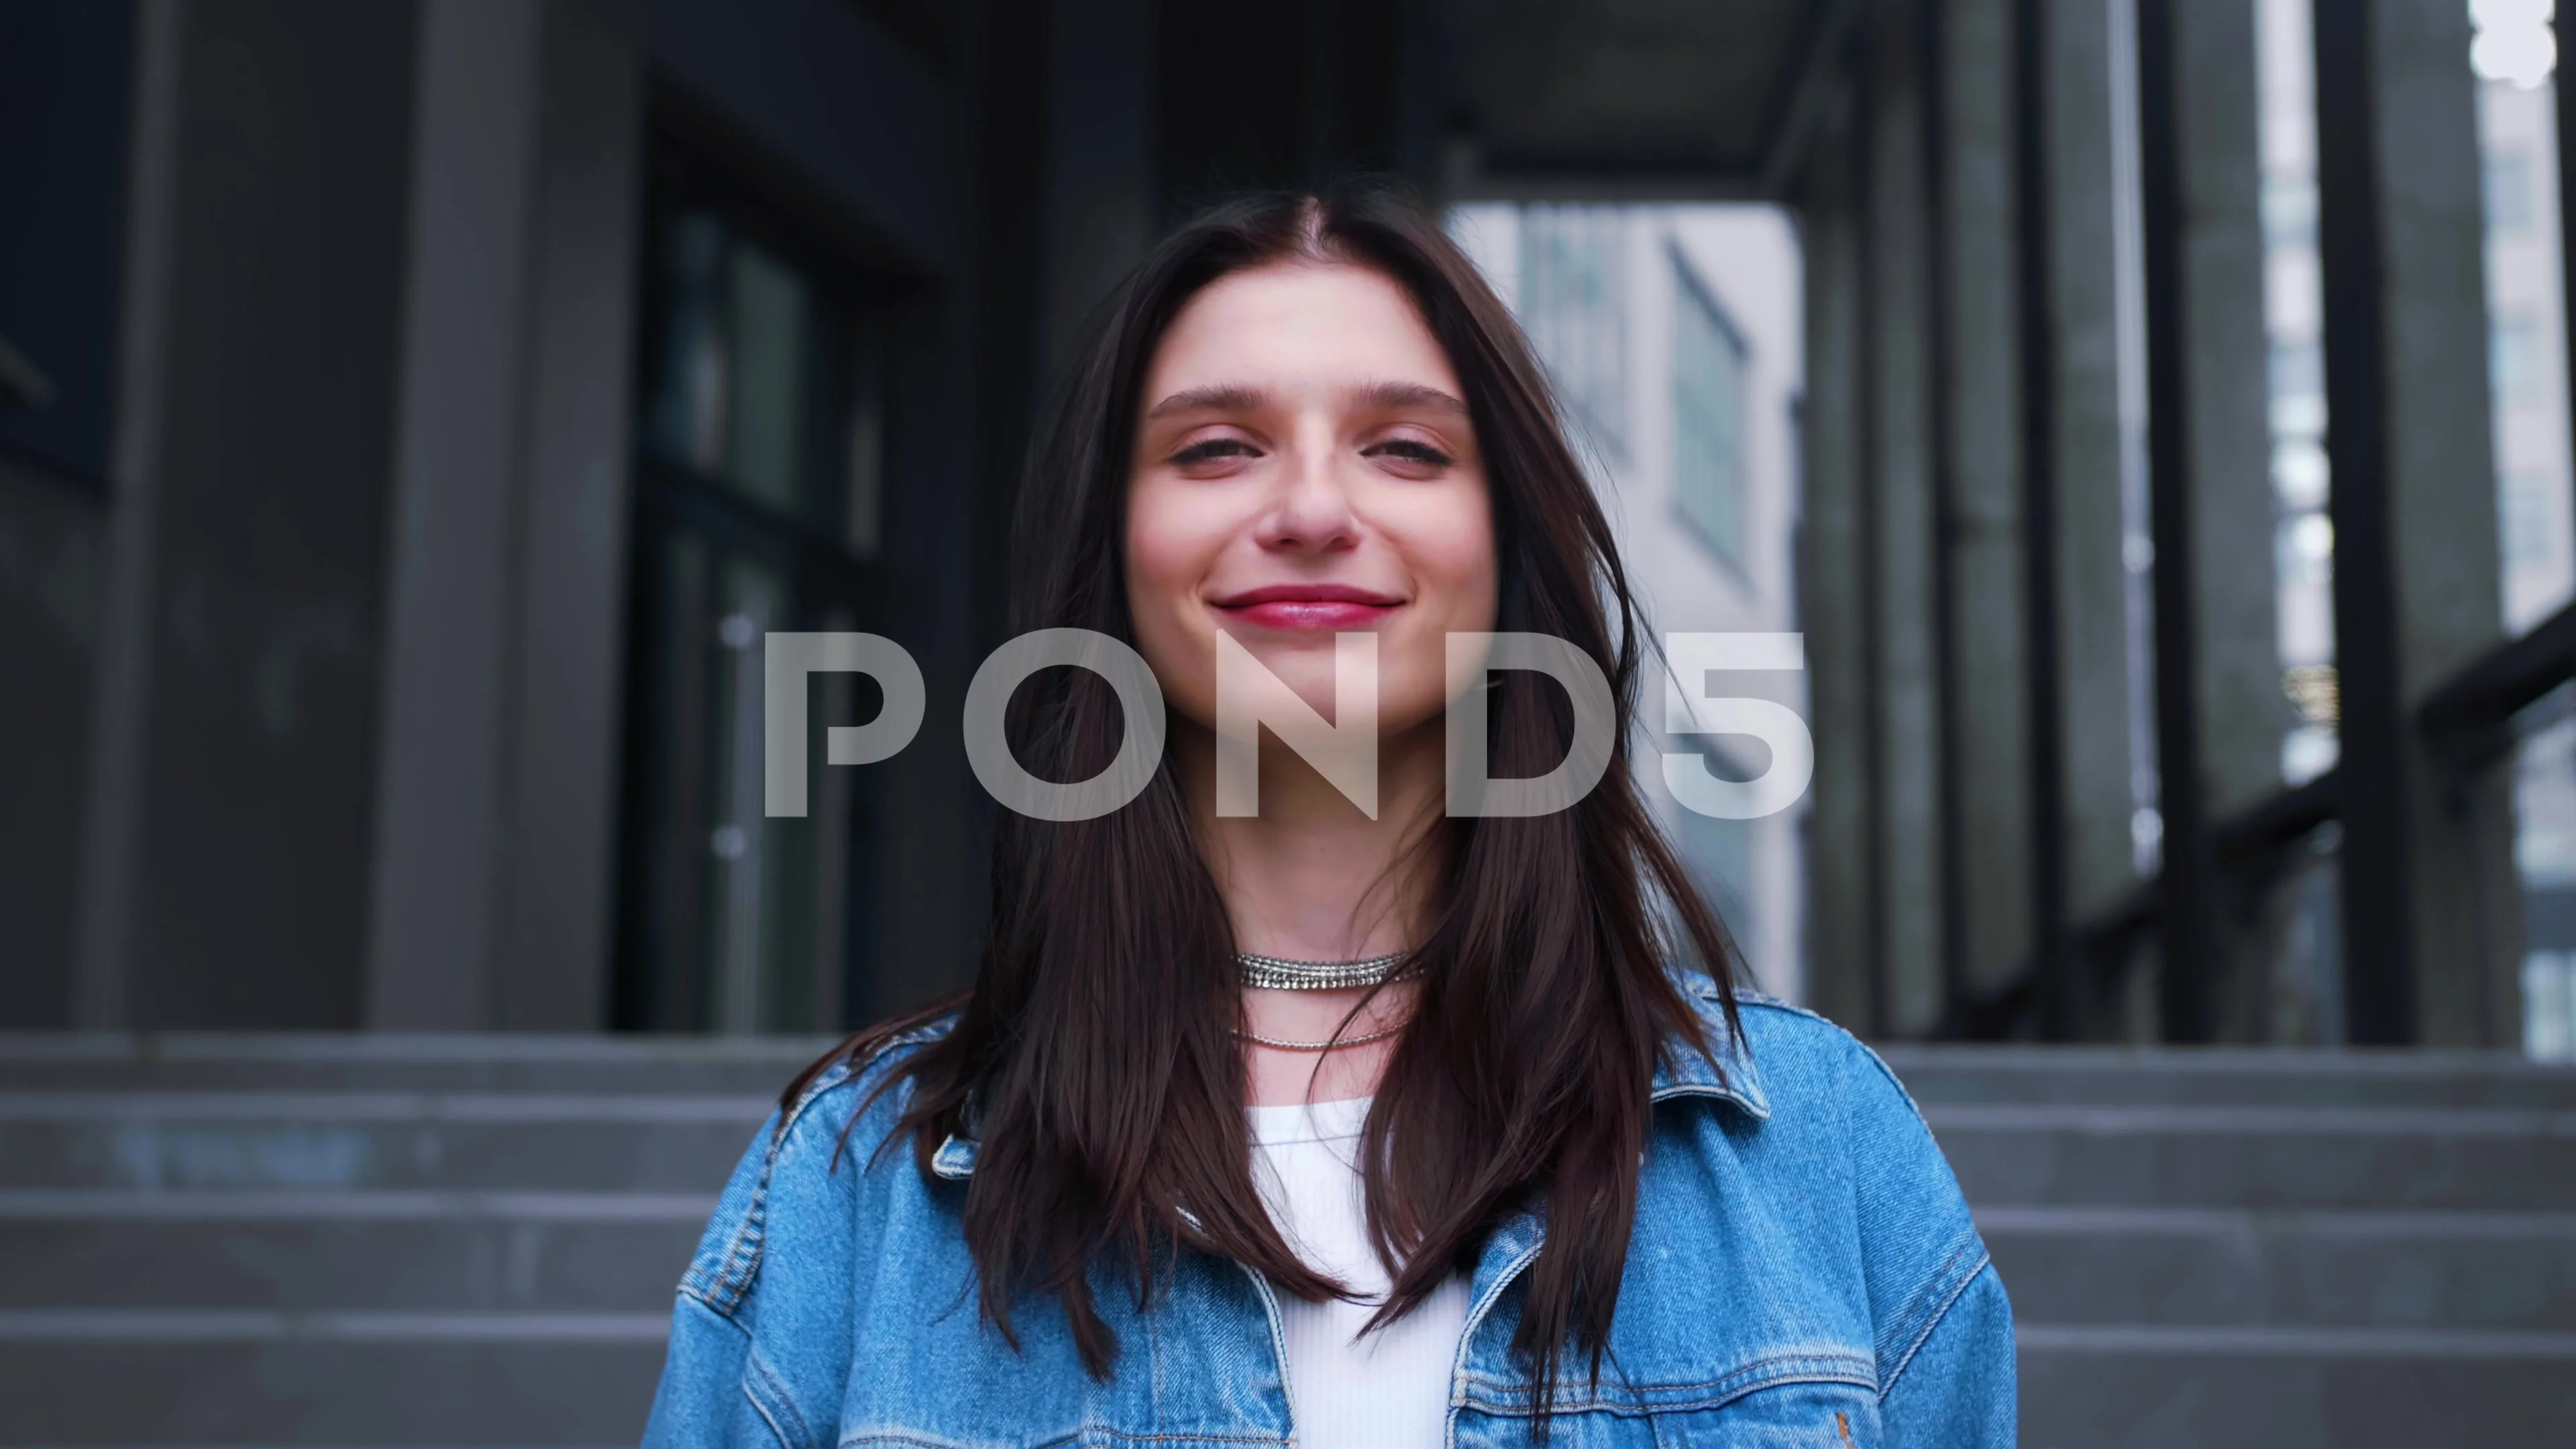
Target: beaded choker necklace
{"points": [[1273, 973]]}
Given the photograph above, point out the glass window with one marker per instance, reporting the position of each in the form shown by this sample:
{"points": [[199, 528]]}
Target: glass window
{"points": [[759, 486], [765, 448], [2298, 375], [2528, 520], [2289, 210], [1709, 379], [1573, 305], [2509, 199], [1720, 854], [2519, 371]]}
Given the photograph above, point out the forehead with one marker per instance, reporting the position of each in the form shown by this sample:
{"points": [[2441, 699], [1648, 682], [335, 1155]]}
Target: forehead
{"points": [[1310, 322]]}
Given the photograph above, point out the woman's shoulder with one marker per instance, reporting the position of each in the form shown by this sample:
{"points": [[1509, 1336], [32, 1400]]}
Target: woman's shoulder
{"points": [[861, 1072], [828, 1142], [1825, 1106], [763, 1320], [1793, 1056], [1839, 1144]]}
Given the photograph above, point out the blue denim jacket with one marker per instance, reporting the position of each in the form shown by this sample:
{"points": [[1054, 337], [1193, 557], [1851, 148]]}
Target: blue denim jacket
{"points": [[1803, 1272]]}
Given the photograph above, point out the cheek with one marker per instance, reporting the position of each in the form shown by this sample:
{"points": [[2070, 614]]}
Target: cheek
{"points": [[1167, 558], [1166, 553], [1454, 556], [1449, 551]]}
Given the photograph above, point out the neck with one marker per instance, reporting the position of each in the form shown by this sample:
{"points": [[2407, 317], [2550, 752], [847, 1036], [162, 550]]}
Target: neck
{"points": [[1311, 878]]}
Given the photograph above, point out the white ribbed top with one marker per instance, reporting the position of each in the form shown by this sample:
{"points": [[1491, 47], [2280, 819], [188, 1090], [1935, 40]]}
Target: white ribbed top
{"points": [[1390, 1390]]}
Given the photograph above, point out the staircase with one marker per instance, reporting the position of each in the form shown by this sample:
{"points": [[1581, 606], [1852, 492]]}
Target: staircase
{"points": [[355, 1241], [2237, 1248], [471, 1241]]}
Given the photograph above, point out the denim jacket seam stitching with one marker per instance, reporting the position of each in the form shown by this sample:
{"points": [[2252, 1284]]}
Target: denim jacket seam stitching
{"points": [[1913, 1319], [1766, 1361], [712, 1290], [911, 1440], [1075, 1437], [1861, 1381], [720, 1316], [742, 1255], [1183, 1437], [767, 1422], [754, 1364], [733, 1280], [1932, 1322], [1731, 1386], [743, 1251]]}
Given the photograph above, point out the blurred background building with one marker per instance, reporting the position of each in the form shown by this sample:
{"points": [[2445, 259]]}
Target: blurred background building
{"points": [[1673, 331], [2152, 413]]}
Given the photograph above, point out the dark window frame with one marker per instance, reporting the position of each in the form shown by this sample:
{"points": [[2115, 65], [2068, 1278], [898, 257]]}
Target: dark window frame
{"points": [[667, 972]]}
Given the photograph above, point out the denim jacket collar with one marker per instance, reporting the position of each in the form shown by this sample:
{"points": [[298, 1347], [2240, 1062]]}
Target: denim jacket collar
{"points": [[1683, 1072], [1726, 1073]]}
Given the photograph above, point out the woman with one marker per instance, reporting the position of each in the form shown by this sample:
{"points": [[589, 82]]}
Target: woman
{"points": [[1324, 1123]]}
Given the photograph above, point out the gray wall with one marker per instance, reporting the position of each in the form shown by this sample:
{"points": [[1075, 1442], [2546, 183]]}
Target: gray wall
{"points": [[247, 885]]}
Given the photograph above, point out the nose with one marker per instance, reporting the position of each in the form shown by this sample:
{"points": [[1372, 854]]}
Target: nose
{"points": [[1311, 513]]}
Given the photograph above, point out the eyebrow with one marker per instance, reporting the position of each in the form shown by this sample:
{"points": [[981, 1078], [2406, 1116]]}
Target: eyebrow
{"points": [[1225, 397], [1241, 397], [1394, 395]]}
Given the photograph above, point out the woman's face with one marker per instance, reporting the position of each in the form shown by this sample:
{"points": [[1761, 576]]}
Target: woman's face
{"points": [[1303, 467]]}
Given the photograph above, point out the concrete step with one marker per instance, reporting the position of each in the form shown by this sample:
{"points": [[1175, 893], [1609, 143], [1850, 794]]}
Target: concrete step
{"points": [[250, 1141], [83, 1378], [2261, 1157], [2230, 1076], [2129, 1387], [417, 1241], [319, 1251], [2232, 1268], [401, 1062]]}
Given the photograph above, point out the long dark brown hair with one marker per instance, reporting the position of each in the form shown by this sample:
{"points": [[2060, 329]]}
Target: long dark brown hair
{"points": [[1095, 1058]]}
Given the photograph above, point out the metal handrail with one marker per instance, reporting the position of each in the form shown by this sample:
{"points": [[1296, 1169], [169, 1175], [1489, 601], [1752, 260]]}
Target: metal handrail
{"points": [[2468, 722]]}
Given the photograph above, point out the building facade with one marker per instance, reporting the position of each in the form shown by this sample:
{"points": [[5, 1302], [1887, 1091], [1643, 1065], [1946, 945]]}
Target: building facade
{"points": [[1672, 334]]}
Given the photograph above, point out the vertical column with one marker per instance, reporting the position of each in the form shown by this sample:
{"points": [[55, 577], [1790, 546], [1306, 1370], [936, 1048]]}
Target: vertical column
{"points": [[565, 663], [1899, 552], [280, 332], [2081, 585], [2184, 884], [2056, 990], [2218, 707], [1831, 570], [2226, 389], [449, 594], [1981, 528], [496, 785], [112, 792], [2428, 885]]}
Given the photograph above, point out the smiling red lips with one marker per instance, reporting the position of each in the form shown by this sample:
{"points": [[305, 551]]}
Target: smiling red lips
{"points": [[1309, 606]]}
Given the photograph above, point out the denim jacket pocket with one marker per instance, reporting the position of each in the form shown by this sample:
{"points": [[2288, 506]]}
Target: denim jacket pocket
{"points": [[1786, 1396]]}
